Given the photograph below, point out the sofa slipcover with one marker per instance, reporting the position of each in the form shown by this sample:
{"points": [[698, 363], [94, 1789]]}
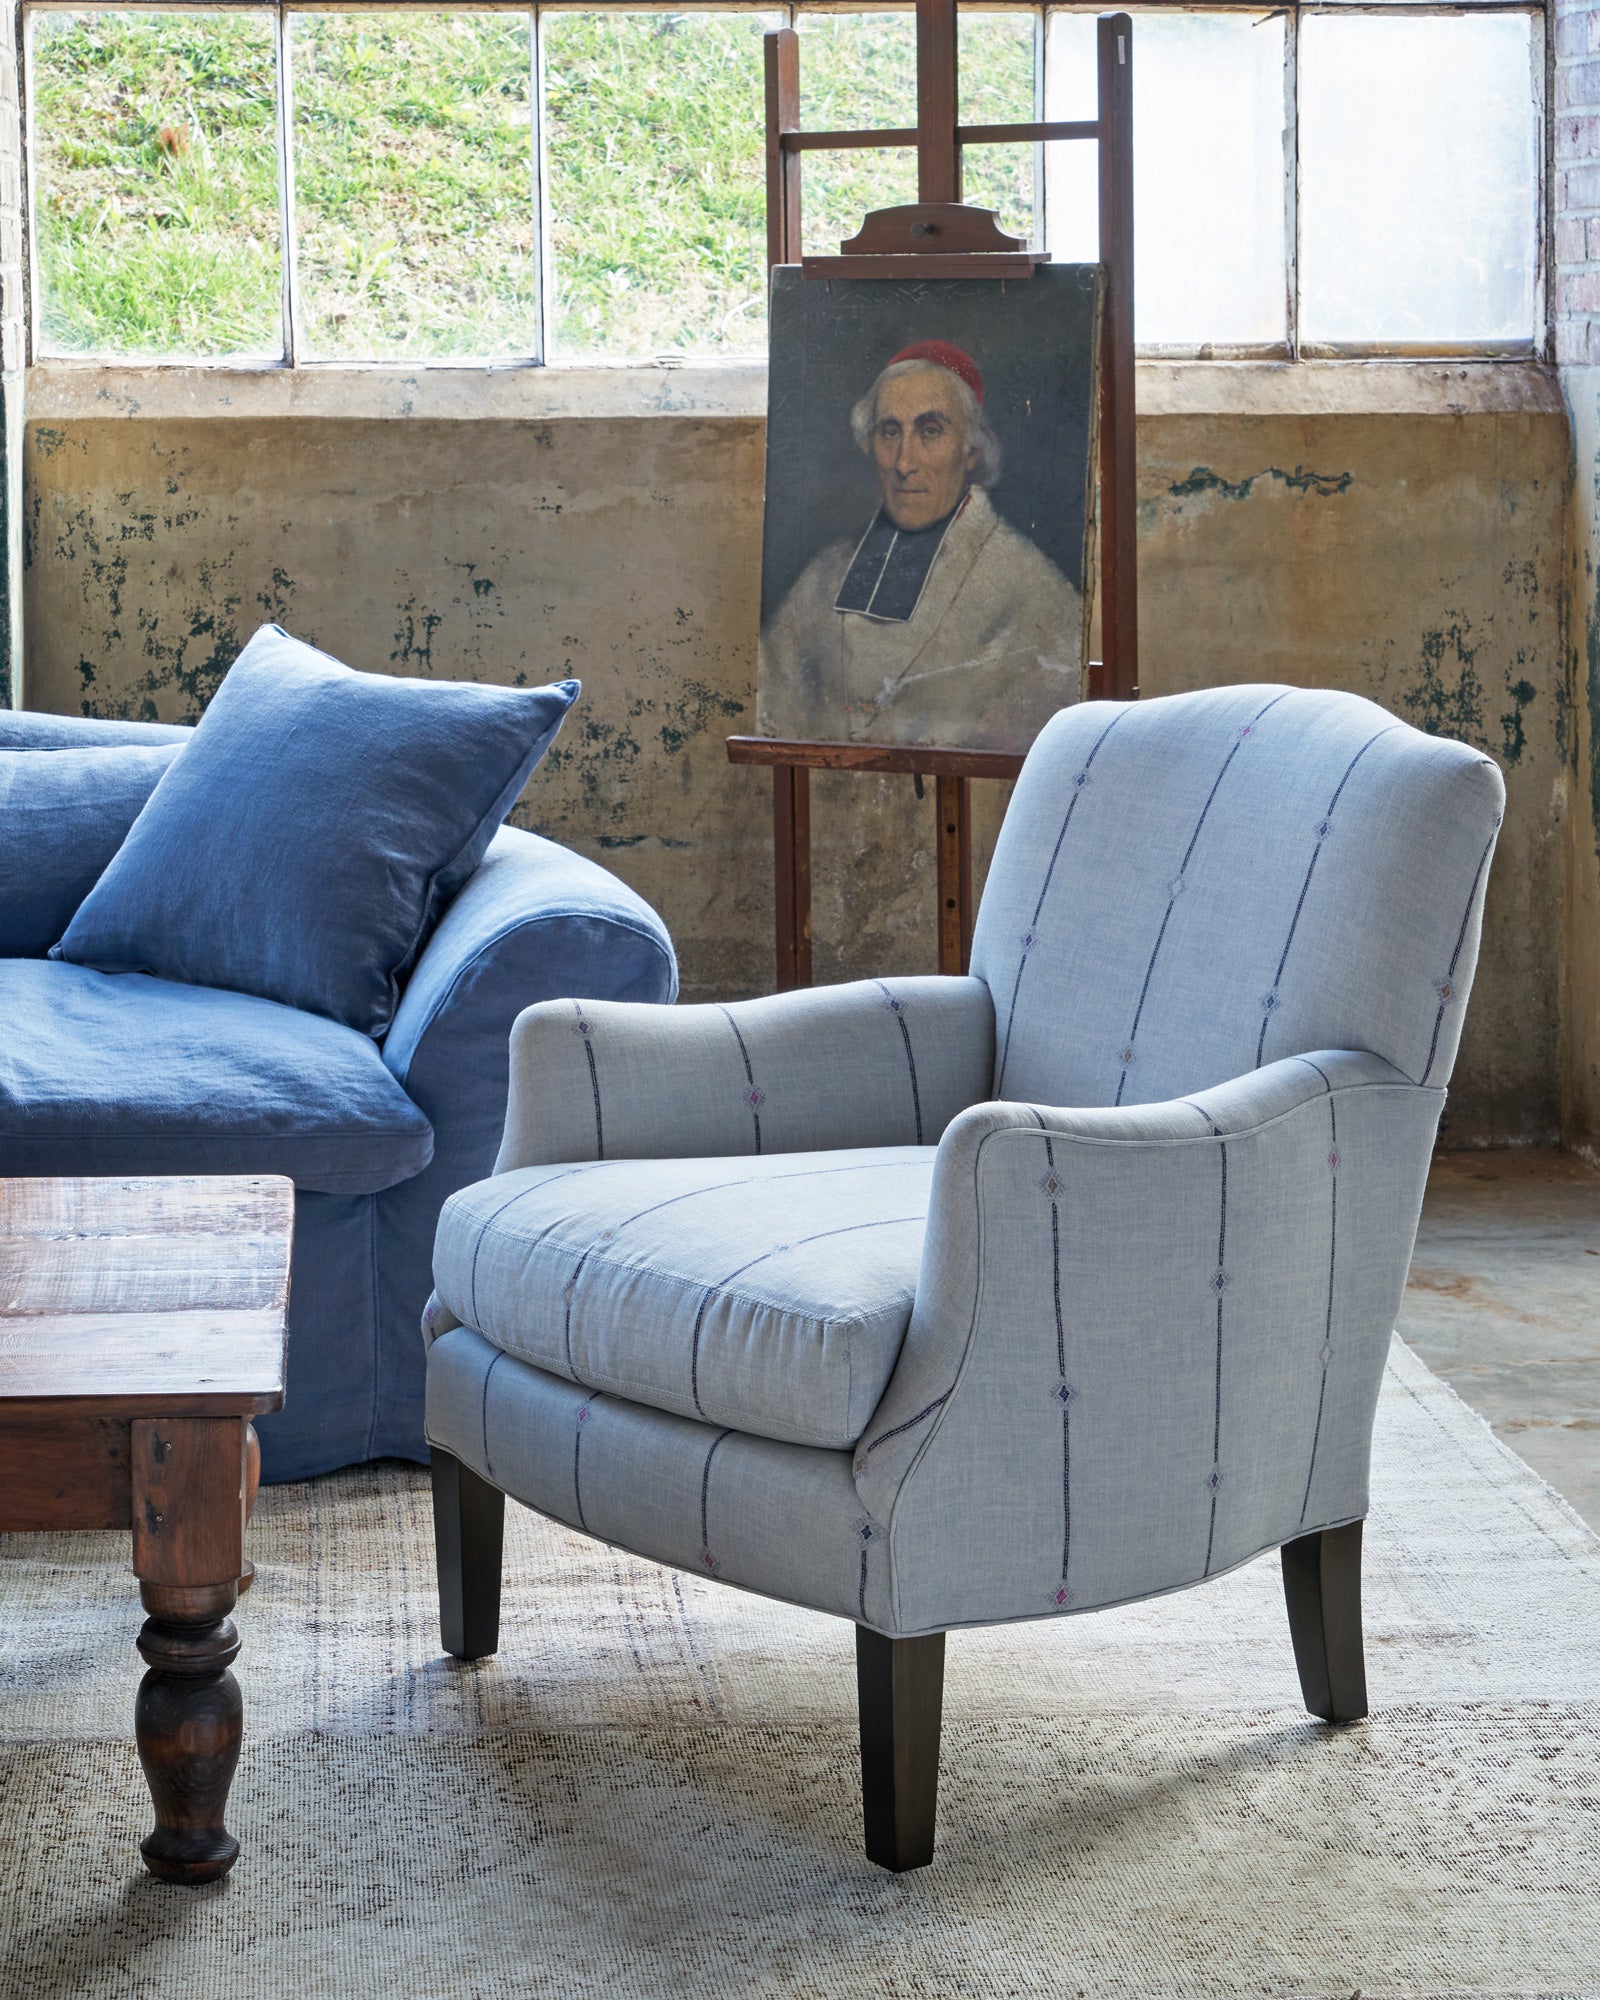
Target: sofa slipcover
{"points": [[123, 1073], [119, 1073], [62, 817]]}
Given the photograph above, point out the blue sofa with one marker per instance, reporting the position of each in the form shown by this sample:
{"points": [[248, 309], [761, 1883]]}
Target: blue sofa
{"points": [[120, 1073]]}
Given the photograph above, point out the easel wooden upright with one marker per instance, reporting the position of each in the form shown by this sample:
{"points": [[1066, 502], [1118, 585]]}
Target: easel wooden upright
{"points": [[937, 237]]}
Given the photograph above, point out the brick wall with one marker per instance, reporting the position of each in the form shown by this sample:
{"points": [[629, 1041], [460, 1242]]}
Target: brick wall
{"points": [[1575, 316], [1575, 294]]}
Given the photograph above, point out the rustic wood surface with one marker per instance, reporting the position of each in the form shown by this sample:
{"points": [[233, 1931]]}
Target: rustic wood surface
{"points": [[938, 102], [928, 264], [791, 861], [1118, 528], [142, 1324], [926, 760], [62, 1471], [782, 49], [931, 228], [144, 1296], [954, 809]]}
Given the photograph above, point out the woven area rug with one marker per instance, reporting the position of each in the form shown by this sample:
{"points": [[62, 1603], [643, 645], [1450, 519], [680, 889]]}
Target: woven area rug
{"points": [[652, 1791]]}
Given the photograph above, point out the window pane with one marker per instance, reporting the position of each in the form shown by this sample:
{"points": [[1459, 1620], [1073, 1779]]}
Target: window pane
{"points": [[1418, 179], [996, 71], [857, 71], [155, 169], [414, 185], [1208, 203], [655, 155]]}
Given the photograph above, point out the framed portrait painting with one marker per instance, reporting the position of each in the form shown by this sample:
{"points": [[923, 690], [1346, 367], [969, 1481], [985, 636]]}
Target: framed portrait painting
{"points": [[930, 463]]}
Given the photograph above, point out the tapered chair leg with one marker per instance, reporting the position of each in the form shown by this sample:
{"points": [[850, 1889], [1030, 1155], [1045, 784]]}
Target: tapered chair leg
{"points": [[1322, 1584], [468, 1530], [900, 1688]]}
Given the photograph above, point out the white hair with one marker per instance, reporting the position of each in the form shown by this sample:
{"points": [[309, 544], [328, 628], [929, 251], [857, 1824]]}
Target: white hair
{"points": [[980, 435]]}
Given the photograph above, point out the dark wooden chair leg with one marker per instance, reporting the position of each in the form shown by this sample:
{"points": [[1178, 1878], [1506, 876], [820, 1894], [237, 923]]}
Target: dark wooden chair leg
{"points": [[1322, 1585], [468, 1530], [900, 1688]]}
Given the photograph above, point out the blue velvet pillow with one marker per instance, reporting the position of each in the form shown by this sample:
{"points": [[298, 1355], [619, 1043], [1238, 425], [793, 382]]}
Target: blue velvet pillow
{"points": [[63, 814], [302, 845]]}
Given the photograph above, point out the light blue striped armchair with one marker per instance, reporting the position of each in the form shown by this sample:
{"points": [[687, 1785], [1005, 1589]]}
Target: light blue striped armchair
{"points": [[942, 1302]]}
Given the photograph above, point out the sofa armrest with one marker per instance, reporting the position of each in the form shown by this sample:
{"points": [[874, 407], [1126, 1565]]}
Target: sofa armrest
{"points": [[534, 922], [1147, 1341], [880, 1062]]}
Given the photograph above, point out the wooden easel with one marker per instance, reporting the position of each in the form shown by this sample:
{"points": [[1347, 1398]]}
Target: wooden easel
{"points": [[937, 237]]}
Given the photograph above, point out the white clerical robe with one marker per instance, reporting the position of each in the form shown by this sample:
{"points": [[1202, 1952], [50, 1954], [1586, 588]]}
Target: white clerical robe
{"points": [[993, 648]]}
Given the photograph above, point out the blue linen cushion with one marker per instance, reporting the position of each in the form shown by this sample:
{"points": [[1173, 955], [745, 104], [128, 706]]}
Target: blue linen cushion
{"points": [[116, 1073], [315, 825], [63, 815], [31, 729]]}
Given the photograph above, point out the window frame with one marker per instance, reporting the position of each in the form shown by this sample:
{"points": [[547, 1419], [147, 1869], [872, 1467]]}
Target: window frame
{"points": [[1293, 348]]}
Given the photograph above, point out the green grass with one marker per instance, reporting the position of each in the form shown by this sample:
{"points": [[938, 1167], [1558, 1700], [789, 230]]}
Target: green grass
{"points": [[656, 182], [860, 70], [414, 185], [157, 183], [158, 198]]}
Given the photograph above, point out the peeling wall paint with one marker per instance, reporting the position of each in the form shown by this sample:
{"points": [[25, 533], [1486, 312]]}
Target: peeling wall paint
{"points": [[1204, 480], [1413, 557], [1421, 565]]}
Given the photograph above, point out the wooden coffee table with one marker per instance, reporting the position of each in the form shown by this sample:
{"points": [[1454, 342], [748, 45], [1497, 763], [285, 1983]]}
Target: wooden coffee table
{"points": [[141, 1328]]}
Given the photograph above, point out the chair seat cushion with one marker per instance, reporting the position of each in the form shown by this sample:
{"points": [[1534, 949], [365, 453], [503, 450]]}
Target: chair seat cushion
{"points": [[117, 1073], [768, 1294]]}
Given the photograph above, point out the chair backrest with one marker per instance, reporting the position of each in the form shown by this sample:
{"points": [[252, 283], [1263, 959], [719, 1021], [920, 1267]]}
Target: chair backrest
{"points": [[1189, 887]]}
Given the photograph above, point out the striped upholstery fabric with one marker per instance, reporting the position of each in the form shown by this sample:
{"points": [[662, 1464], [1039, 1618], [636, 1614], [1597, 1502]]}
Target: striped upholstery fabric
{"points": [[1179, 1121], [880, 1062], [769, 1294], [1188, 888]]}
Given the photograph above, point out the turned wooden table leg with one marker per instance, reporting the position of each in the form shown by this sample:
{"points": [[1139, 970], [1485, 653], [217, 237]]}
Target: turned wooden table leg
{"points": [[190, 1479]]}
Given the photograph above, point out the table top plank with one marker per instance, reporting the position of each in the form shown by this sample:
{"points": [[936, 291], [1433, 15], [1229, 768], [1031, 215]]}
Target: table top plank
{"points": [[139, 1274], [155, 1296]]}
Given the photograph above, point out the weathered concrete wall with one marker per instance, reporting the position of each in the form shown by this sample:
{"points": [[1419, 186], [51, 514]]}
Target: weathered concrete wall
{"points": [[1415, 558], [11, 351], [1397, 531], [625, 553]]}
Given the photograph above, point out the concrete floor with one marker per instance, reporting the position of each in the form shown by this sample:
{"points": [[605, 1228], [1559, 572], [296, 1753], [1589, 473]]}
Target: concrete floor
{"points": [[1504, 1302]]}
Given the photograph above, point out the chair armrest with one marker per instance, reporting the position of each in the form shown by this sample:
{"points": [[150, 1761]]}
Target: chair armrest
{"points": [[881, 1062], [1147, 1341], [533, 922]]}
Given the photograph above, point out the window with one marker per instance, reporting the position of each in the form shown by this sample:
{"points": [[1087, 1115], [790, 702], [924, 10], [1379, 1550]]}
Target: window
{"points": [[308, 183]]}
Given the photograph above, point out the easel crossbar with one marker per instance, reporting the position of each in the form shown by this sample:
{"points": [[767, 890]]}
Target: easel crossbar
{"points": [[966, 135]]}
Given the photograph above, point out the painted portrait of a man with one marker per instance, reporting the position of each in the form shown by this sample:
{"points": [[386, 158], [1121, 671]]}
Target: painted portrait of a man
{"points": [[930, 616]]}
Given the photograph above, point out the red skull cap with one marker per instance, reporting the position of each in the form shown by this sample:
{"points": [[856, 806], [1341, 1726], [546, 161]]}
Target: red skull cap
{"points": [[944, 354]]}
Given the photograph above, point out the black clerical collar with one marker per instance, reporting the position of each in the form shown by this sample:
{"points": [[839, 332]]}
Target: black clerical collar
{"points": [[890, 567]]}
